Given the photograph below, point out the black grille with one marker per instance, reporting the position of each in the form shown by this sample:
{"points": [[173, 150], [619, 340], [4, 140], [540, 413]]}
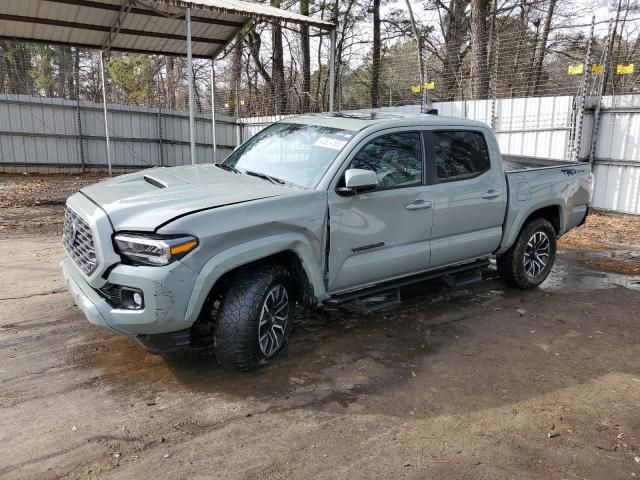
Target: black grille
{"points": [[78, 241]]}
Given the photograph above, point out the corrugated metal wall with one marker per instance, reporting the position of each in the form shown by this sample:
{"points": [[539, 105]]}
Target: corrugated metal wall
{"points": [[534, 127], [617, 163], [47, 132], [541, 127], [44, 132]]}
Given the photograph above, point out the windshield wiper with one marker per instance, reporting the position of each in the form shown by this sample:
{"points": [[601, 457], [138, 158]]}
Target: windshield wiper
{"points": [[228, 168], [264, 176]]}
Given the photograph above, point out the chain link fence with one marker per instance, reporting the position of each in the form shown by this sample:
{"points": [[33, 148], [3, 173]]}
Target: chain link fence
{"points": [[510, 65]]}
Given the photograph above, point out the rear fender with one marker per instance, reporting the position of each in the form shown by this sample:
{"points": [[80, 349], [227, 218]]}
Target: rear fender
{"points": [[513, 224]]}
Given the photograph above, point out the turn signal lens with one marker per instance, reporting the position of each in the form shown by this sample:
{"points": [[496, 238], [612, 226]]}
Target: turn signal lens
{"points": [[184, 248]]}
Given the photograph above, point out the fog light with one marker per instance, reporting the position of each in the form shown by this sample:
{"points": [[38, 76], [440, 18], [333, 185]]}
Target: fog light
{"points": [[123, 297], [131, 299], [137, 299]]}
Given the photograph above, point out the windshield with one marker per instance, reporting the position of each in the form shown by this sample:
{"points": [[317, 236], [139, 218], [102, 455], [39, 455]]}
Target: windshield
{"points": [[296, 153]]}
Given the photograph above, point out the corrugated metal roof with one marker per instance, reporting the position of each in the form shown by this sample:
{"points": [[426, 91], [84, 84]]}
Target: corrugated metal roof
{"points": [[153, 26], [250, 9]]}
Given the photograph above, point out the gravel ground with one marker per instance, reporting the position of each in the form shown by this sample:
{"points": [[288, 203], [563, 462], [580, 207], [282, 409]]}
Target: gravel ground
{"points": [[34, 203], [475, 382]]}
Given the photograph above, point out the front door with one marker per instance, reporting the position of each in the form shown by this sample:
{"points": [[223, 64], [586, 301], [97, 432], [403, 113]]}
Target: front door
{"points": [[383, 233]]}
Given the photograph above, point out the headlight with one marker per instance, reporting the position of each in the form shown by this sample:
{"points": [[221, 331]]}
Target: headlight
{"points": [[152, 249]]}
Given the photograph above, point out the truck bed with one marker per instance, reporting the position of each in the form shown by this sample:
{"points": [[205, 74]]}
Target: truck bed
{"points": [[535, 183], [516, 163]]}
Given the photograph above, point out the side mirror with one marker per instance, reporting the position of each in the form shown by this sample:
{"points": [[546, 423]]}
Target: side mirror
{"points": [[358, 180]]}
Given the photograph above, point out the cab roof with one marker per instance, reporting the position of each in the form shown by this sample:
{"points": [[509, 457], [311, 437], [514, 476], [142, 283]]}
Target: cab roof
{"points": [[359, 121]]}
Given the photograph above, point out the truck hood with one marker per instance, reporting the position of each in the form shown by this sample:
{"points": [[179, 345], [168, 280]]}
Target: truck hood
{"points": [[143, 201]]}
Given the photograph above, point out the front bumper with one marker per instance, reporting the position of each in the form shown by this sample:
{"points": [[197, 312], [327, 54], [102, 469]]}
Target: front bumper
{"points": [[85, 297], [166, 294]]}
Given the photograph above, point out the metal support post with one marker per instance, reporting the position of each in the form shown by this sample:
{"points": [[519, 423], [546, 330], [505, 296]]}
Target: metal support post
{"points": [[577, 139], [192, 120], [104, 105], [595, 129], [213, 109]]}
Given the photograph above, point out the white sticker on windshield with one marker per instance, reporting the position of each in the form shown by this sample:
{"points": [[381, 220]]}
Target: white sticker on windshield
{"points": [[332, 143]]}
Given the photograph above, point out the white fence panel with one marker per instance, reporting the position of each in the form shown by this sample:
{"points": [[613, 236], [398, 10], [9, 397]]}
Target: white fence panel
{"points": [[617, 187], [619, 136]]}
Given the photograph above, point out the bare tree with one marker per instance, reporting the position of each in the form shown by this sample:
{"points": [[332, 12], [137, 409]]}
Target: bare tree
{"points": [[375, 55], [418, 36], [277, 66], [306, 58], [479, 42], [454, 32], [541, 47], [234, 78]]}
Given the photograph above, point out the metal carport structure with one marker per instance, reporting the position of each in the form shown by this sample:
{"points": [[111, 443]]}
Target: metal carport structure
{"points": [[195, 28]]}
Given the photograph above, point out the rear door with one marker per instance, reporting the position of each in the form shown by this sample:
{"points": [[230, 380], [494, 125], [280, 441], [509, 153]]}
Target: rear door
{"points": [[383, 233], [468, 194]]}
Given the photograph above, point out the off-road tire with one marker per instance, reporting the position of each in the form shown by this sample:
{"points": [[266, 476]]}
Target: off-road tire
{"points": [[511, 263], [237, 323]]}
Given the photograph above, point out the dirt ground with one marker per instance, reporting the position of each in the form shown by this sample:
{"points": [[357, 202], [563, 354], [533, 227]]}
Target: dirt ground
{"points": [[474, 382]]}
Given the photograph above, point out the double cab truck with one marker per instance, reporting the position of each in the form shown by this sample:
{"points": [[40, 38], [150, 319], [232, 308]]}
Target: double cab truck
{"points": [[312, 211]]}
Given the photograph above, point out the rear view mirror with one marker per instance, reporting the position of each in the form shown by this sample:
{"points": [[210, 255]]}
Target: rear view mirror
{"points": [[358, 180]]}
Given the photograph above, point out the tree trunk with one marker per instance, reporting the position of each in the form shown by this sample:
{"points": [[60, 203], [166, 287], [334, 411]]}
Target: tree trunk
{"points": [[306, 58], [453, 37], [607, 68], [541, 50], [76, 73], [479, 64], [277, 73], [515, 80], [20, 80], [416, 34], [234, 80], [375, 56], [171, 84]]}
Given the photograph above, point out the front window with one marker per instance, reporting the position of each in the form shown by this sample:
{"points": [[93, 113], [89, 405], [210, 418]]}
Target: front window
{"points": [[296, 153], [396, 159]]}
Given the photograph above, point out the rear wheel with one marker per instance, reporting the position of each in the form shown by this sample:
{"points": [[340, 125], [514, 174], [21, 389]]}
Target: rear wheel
{"points": [[255, 317], [529, 261]]}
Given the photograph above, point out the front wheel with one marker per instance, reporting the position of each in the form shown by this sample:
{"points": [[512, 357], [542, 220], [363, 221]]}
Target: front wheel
{"points": [[255, 317], [529, 260]]}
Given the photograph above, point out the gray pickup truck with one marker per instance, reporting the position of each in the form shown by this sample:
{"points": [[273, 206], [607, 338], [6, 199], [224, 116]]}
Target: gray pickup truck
{"points": [[312, 211]]}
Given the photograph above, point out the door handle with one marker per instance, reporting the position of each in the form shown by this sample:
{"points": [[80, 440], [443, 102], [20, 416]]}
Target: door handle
{"points": [[419, 204], [490, 195]]}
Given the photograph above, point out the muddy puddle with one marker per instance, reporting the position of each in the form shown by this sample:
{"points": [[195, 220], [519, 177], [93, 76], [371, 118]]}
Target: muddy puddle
{"points": [[577, 270], [336, 358]]}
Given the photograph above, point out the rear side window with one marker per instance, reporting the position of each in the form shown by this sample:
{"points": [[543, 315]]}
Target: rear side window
{"points": [[460, 154]]}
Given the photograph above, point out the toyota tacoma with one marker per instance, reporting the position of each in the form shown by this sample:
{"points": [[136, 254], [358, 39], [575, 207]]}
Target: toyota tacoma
{"points": [[313, 211]]}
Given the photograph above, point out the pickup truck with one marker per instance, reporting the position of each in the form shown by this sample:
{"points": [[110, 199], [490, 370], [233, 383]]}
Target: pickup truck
{"points": [[312, 211]]}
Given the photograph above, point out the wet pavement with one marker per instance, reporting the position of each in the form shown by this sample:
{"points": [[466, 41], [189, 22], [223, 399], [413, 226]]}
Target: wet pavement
{"points": [[453, 383]]}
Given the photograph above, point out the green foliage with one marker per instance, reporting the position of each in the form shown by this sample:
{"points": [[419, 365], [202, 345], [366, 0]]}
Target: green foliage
{"points": [[133, 74], [42, 73]]}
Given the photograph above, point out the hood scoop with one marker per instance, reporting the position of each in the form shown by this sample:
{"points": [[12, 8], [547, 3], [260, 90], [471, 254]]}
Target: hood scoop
{"points": [[155, 182], [157, 178]]}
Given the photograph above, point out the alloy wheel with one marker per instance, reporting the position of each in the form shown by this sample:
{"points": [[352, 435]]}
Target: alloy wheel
{"points": [[274, 316], [537, 254]]}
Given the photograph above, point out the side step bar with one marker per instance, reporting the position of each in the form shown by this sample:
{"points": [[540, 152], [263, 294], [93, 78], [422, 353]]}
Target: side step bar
{"points": [[340, 299]]}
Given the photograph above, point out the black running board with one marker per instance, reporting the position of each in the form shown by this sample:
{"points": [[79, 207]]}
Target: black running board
{"points": [[339, 299]]}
